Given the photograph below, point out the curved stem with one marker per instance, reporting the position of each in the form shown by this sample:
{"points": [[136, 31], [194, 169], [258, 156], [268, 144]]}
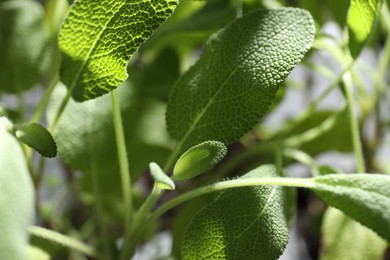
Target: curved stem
{"points": [[357, 146], [63, 240], [288, 182]]}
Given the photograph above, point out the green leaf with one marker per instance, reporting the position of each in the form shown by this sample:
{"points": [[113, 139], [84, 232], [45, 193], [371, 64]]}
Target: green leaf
{"points": [[344, 238], [235, 80], [199, 159], [362, 18], [363, 197], [242, 223], [38, 138], [23, 39], [160, 177], [16, 198], [98, 38]]}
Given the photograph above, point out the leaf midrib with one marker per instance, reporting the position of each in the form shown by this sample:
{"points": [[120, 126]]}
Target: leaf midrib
{"points": [[271, 195], [92, 49]]}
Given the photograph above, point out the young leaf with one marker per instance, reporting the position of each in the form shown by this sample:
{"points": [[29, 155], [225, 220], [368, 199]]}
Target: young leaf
{"points": [[235, 80], [199, 159], [98, 38], [344, 238], [363, 197], [160, 177], [242, 223], [38, 138], [362, 18], [23, 38], [16, 198]]}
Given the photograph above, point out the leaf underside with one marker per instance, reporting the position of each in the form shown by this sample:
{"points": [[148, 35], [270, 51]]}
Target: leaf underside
{"points": [[363, 197], [235, 80], [241, 223], [98, 38]]}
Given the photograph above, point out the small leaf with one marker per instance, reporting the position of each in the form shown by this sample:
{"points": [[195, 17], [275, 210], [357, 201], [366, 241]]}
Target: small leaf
{"points": [[16, 198], [199, 159], [242, 223], [363, 197], [362, 18], [160, 177], [23, 42], [38, 138], [98, 38], [235, 81], [344, 238]]}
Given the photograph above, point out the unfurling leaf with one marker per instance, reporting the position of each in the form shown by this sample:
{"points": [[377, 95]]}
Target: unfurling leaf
{"points": [[199, 159], [363, 197], [161, 179], [38, 138], [241, 223], [234, 82], [98, 38]]}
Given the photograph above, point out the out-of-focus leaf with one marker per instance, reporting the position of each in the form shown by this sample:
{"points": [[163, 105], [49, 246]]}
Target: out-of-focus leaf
{"points": [[339, 10], [23, 38], [362, 18], [344, 238], [16, 197]]}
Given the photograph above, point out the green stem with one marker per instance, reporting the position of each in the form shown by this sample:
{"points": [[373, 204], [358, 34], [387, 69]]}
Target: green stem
{"points": [[313, 106], [288, 182], [124, 171], [357, 146], [63, 240], [304, 158], [44, 100], [239, 8], [99, 212], [60, 110]]}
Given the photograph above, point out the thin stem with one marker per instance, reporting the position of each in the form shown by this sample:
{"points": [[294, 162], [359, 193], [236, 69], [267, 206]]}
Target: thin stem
{"points": [[63, 240], [124, 171], [60, 110], [304, 158], [44, 100], [313, 106], [357, 146], [99, 212], [239, 7], [288, 182]]}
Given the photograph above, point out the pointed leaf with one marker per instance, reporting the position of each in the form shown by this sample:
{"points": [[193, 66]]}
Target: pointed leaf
{"points": [[199, 159], [16, 198], [362, 18], [98, 38], [363, 197], [234, 82], [242, 223], [160, 177], [344, 238], [38, 138]]}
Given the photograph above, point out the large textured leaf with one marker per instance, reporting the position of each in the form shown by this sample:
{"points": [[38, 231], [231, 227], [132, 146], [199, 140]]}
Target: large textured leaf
{"points": [[362, 17], [98, 38], [363, 197], [16, 197], [23, 37], [235, 80], [242, 223], [344, 238]]}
